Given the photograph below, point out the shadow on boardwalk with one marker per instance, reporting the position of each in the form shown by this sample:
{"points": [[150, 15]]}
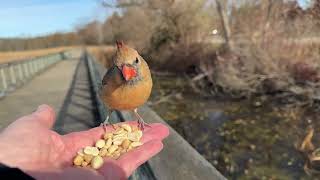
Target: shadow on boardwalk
{"points": [[78, 111]]}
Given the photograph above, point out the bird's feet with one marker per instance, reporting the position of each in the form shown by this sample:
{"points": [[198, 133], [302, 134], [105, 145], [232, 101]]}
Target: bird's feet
{"points": [[104, 126], [142, 124]]}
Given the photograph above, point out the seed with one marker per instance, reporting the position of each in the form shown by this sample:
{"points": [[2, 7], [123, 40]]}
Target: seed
{"points": [[125, 144], [87, 157], [97, 162], [133, 136], [112, 148], [91, 150], [116, 152], [78, 160], [119, 131], [134, 128], [126, 127], [84, 164], [123, 135], [95, 151], [108, 143], [107, 136], [87, 150], [118, 142], [116, 155], [129, 148], [113, 144], [115, 126], [123, 151], [103, 152], [100, 143], [139, 134], [80, 152], [136, 144]]}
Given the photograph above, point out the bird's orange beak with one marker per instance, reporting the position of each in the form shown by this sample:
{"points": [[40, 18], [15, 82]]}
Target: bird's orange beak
{"points": [[128, 72]]}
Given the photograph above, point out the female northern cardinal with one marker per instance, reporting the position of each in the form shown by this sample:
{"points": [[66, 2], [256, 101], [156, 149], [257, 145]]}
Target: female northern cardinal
{"points": [[127, 84]]}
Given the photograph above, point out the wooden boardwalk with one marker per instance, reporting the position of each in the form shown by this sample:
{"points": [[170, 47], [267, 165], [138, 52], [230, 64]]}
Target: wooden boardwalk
{"points": [[64, 86]]}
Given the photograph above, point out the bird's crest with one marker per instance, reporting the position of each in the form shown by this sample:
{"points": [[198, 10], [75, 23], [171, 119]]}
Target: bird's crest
{"points": [[120, 44]]}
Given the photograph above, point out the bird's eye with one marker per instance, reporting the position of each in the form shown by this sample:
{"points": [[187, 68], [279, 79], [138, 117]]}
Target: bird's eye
{"points": [[137, 61]]}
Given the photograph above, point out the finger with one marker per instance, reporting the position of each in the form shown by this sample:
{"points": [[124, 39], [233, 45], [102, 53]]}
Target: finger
{"points": [[133, 159], [44, 115], [156, 132]]}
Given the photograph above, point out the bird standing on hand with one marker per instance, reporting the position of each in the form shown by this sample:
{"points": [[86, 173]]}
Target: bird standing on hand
{"points": [[128, 83]]}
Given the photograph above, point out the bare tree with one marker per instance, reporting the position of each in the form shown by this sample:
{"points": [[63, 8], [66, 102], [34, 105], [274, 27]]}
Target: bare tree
{"points": [[222, 6]]}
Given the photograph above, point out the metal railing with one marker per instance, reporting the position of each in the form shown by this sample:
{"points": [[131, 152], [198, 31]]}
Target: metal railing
{"points": [[15, 74]]}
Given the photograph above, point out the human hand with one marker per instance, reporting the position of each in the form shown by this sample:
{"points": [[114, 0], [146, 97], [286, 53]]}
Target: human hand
{"points": [[30, 145]]}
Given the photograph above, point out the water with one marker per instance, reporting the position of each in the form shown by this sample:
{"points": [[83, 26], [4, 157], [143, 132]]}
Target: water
{"points": [[244, 139]]}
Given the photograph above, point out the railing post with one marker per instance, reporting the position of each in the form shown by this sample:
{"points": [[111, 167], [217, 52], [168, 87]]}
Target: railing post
{"points": [[31, 68], [36, 65], [20, 72], [13, 75], [4, 80], [26, 70], [42, 64]]}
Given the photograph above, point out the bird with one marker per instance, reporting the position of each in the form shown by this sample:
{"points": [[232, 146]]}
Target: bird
{"points": [[127, 84]]}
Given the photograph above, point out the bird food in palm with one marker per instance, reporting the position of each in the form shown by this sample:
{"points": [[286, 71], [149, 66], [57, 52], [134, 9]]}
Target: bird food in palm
{"points": [[112, 145]]}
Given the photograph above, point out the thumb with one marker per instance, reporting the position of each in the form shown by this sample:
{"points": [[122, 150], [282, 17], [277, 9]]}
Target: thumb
{"points": [[44, 115]]}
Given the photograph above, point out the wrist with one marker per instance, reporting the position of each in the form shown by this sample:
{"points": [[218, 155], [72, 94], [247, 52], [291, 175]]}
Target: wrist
{"points": [[9, 154]]}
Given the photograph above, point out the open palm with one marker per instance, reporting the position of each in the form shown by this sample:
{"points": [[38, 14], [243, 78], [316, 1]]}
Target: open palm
{"points": [[30, 145]]}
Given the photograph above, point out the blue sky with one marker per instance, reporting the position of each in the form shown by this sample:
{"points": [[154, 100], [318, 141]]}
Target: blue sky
{"points": [[40, 17], [24, 18]]}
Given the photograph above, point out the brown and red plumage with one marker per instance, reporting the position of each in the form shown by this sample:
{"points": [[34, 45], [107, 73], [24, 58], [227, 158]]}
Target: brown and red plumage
{"points": [[128, 83]]}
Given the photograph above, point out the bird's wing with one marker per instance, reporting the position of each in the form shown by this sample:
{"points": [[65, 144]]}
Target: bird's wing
{"points": [[108, 75]]}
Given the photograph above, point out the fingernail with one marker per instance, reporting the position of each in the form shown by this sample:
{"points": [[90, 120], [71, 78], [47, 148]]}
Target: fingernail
{"points": [[42, 107]]}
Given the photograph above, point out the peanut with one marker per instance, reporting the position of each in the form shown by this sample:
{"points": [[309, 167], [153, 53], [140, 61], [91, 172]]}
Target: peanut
{"points": [[136, 144], [107, 136], [84, 164], [96, 162], [126, 127], [138, 134], [78, 160], [112, 148], [119, 131], [103, 152], [125, 144], [115, 126], [100, 143], [134, 128], [108, 143], [95, 151], [133, 136], [80, 152], [123, 139], [87, 157]]}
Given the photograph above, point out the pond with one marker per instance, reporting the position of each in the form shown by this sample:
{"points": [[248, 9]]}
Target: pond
{"points": [[255, 138]]}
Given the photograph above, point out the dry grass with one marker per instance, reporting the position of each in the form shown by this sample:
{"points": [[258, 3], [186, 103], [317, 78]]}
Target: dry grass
{"points": [[19, 55], [103, 54]]}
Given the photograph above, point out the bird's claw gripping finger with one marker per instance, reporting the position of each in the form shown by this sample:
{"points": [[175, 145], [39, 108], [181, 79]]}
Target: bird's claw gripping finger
{"points": [[104, 126], [142, 125]]}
